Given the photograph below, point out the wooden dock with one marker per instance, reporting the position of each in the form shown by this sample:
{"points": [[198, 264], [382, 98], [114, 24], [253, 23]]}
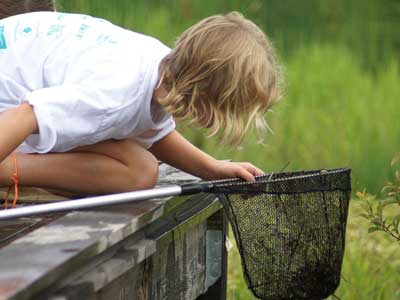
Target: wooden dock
{"points": [[170, 248]]}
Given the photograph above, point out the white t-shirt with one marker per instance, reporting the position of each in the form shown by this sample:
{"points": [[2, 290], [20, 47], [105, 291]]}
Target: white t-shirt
{"points": [[87, 80]]}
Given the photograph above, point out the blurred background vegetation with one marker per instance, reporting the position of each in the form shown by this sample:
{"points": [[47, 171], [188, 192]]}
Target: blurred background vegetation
{"points": [[340, 106], [341, 63]]}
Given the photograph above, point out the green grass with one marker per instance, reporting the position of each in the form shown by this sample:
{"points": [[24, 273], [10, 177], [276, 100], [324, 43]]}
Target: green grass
{"points": [[340, 108], [333, 114], [370, 271]]}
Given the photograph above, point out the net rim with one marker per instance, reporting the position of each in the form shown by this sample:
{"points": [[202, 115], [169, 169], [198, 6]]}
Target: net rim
{"points": [[321, 177], [284, 176]]}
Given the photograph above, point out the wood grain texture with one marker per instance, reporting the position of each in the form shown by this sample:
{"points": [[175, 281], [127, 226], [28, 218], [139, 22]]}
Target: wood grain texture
{"points": [[158, 246]]}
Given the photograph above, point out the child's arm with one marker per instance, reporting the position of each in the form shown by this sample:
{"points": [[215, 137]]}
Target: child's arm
{"points": [[16, 124], [175, 150]]}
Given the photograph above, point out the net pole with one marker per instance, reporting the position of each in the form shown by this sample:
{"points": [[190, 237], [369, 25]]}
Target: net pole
{"points": [[90, 202]]}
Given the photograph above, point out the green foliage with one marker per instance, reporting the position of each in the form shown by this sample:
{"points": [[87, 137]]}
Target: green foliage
{"points": [[340, 108], [371, 263], [376, 210], [369, 29], [370, 270], [333, 114]]}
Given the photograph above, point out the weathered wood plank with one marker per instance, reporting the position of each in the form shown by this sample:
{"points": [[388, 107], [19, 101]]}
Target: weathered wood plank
{"points": [[217, 257], [58, 248], [135, 251]]}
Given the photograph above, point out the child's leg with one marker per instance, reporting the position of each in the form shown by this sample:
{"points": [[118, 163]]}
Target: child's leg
{"points": [[107, 167]]}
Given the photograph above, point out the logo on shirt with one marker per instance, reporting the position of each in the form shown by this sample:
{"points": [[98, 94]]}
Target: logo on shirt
{"points": [[55, 30], [61, 16], [103, 38], [3, 44], [82, 29], [27, 30]]}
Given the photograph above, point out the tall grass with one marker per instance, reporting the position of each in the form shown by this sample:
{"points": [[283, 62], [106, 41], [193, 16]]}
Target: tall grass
{"points": [[333, 114], [340, 108], [370, 270], [370, 28]]}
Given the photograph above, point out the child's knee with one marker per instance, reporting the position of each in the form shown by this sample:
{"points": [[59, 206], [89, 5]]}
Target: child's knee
{"points": [[139, 168], [142, 165], [146, 171]]}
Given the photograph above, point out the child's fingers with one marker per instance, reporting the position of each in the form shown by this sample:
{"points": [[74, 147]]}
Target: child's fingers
{"points": [[246, 175], [259, 172], [245, 172], [252, 169]]}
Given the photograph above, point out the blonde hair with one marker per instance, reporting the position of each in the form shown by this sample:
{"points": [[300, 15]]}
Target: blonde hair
{"points": [[222, 74]]}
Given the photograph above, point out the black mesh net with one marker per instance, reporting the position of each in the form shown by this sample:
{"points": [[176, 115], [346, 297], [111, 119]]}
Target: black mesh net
{"points": [[290, 231]]}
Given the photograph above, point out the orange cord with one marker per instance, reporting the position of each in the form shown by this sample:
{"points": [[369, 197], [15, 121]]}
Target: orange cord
{"points": [[15, 179]]}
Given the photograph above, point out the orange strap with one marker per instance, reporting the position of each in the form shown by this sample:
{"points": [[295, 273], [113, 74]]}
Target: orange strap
{"points": [[15, 179]]}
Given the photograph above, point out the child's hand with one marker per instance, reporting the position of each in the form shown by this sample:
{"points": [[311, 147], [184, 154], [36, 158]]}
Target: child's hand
{"points": [[226, 169]]}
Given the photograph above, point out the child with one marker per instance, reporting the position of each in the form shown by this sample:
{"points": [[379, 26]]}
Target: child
{"points": [[97, 102]]}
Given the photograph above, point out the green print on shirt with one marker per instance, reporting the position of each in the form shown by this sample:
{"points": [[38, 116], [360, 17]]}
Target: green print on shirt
{"points": [[3, 44]]}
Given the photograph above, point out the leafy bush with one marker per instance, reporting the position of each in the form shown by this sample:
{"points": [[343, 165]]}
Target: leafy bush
{"points": [[376, 211]]}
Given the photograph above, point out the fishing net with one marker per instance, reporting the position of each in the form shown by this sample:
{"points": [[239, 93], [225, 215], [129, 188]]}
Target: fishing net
{"points": [[290, 231]]}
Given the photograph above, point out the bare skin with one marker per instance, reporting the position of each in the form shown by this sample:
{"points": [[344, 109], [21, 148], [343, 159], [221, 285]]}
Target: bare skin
{"points": [[107, 167], [16, 124], [117, 166], [201, 164]]}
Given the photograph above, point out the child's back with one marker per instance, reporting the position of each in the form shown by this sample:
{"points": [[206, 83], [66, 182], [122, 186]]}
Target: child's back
{"points": [[87, 79]]}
